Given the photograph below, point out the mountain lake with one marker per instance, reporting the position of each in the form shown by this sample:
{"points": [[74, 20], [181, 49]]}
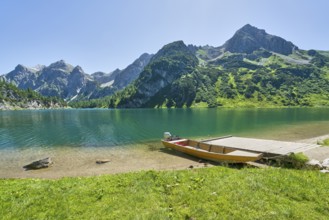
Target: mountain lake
{"points": [[130, 138]]}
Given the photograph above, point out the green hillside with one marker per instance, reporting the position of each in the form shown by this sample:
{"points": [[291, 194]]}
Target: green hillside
{"points": [[13, 98], [273, 81], [260, 79]]}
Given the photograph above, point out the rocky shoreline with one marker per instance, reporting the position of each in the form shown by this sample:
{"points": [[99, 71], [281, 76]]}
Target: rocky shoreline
{"points": [[31, 105]]}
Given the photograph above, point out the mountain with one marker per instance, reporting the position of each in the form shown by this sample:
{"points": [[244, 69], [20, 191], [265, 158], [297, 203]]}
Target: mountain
{"points": [[168, 64], [62, 80], [13, 98], [58, 79], [118, 79], [23, 77], [252, 68], [131, 72], [249, 39]]}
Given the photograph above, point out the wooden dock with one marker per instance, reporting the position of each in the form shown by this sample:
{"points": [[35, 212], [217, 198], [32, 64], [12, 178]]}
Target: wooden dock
{"points": [[268, 147]]}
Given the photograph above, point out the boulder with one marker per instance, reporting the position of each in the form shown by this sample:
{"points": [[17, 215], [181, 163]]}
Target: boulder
{"points": [[39, 164], [325, 163], [314, 163]]}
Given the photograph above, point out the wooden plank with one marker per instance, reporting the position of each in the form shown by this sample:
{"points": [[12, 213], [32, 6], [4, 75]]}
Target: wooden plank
{"points": [[259, 165], [261, 145], [217, 138]]}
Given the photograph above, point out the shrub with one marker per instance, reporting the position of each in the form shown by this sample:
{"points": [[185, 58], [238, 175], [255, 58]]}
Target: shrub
{"points": [[293, 160]]}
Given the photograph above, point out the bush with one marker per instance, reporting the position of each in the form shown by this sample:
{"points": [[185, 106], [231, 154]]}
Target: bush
{"points": [[325, 142], [293, 160]]}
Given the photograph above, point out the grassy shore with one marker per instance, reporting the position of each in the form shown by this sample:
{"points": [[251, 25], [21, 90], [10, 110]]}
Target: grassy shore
{"points": [[207, 193]]}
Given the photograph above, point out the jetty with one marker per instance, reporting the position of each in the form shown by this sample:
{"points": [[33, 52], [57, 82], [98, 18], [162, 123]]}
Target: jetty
{"points": [[267, 147]]}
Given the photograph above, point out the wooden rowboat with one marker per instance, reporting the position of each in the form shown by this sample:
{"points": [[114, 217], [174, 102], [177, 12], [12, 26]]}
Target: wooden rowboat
{"points": [[211, 152]]}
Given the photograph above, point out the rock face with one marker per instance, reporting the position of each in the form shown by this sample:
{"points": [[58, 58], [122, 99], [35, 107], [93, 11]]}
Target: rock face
{"points": [[39, 164], [70, 83], [23, 77], [129, 74], [249, 38], [58, 79], [119, 79], [105, 79]]}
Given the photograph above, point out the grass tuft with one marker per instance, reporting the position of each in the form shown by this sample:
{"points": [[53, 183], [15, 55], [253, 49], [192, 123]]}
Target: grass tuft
{"points": [[325, 142]]}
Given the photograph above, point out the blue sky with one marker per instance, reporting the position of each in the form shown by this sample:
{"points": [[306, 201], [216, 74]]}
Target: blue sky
{"points": [[102, 35]]}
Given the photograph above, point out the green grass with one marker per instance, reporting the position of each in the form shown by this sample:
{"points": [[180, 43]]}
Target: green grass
{"points": [[325, 142], [210, 193]]}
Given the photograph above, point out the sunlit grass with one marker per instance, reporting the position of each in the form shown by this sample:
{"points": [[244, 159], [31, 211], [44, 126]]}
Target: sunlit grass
{"points": [[325, 142], [210, 193]]}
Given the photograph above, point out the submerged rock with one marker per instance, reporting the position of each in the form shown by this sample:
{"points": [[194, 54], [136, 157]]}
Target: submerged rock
{"points": [[102, 161], [39, 164]]}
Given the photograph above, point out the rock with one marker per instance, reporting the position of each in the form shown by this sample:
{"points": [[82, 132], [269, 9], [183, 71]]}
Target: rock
{"points": [[325, 163], [324, 171], [191, 167], [314, 163], [101, 161], [39, 164]]}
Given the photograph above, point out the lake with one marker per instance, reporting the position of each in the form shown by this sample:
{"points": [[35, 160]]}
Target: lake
{"points": [[113, 128], [130, 138]]}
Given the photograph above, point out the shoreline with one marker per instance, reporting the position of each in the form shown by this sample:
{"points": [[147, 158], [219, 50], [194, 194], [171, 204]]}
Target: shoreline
{"points": [[78, 162], [81, 162]]}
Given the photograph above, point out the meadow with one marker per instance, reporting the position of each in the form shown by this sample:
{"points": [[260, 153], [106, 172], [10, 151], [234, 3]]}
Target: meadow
{"points": [[206, 193]]}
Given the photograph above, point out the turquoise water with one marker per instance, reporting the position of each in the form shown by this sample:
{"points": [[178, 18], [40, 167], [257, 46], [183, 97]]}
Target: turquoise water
{"points": [[112, 128]]}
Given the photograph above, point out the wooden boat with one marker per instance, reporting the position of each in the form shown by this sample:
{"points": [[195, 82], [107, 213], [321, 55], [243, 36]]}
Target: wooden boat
{"points": [[211, 152]]}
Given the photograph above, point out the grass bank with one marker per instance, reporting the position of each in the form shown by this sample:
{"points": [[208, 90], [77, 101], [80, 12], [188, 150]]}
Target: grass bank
{"points": [[209, 193]]}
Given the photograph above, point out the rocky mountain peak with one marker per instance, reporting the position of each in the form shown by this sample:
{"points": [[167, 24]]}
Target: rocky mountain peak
{"points": [[131, 72], [61, 65], [78, 69], [20, 68], [142, 61], [249, 38], [251, 30], [171, 49]]}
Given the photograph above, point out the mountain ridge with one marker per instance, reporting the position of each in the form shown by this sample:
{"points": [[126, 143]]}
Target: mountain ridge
{"points": [[63, 80], [251, 67]]}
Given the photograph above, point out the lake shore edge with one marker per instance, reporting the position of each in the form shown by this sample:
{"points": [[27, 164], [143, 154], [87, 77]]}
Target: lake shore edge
{"points": [[154, 157]]}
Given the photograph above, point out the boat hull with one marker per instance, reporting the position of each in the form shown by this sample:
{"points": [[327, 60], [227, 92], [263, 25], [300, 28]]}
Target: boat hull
{"points": [[230, 156]]}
